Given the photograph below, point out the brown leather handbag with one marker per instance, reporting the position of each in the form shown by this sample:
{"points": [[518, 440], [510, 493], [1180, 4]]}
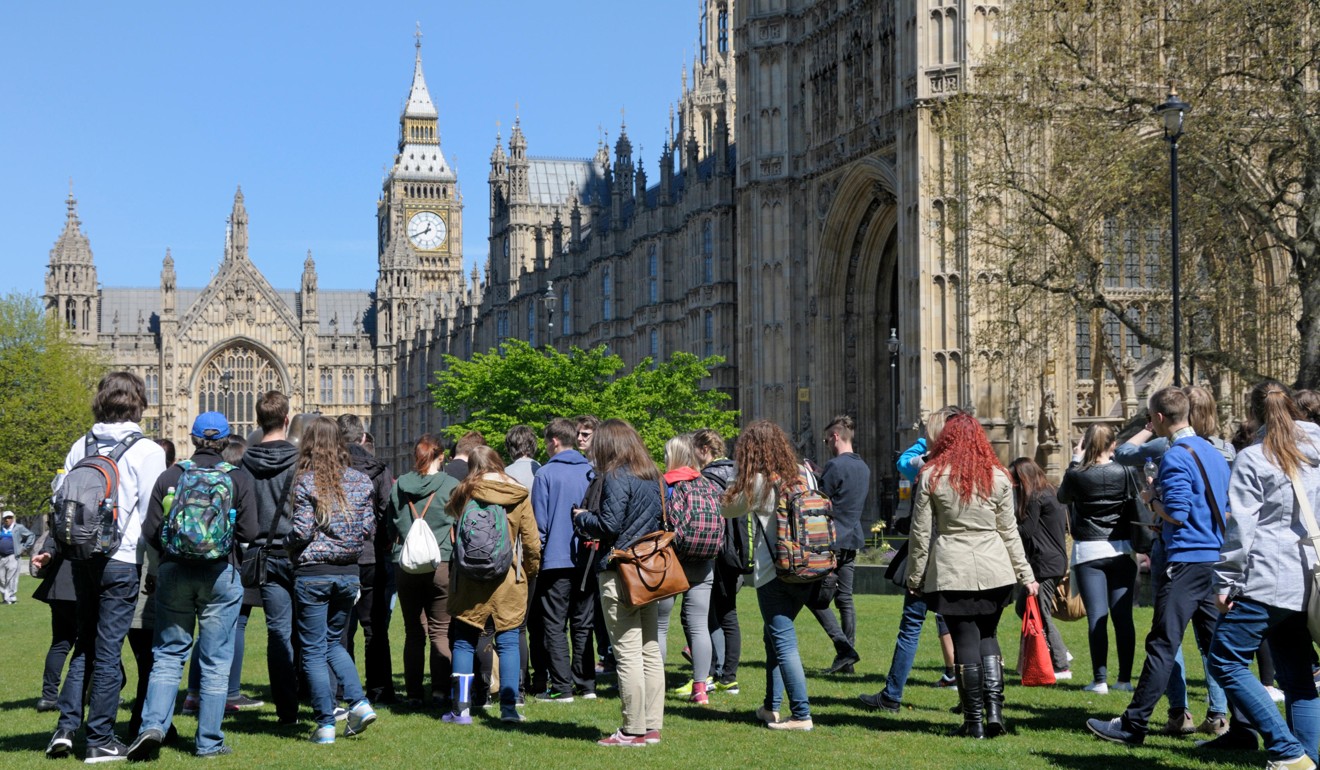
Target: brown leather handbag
{"points": [[649, 568]]}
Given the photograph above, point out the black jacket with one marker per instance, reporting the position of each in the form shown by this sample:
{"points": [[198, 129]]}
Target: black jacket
{"points": [[1043, 534], [629, 508], [271, 464], [382, 481], [57, 585], [245, 503], [734, 557], [1098, 496]]}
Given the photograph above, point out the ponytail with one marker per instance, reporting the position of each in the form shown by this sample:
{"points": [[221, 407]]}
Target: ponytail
{"points": [[1273, 406]]}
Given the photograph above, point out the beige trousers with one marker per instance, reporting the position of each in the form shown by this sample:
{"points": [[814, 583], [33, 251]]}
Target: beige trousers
{"points": [[635, 635]]}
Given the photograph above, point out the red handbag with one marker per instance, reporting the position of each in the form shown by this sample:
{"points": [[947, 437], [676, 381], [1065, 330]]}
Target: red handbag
{"points": [[1034, 663]]}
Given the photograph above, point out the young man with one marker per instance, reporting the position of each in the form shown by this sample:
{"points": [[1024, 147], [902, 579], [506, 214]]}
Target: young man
{"points": [[560, 603], [520, 445], [586, 428], [192, 592], [14, 540], [107, 585], [1192, 532], [458, 467], [845, 480]]}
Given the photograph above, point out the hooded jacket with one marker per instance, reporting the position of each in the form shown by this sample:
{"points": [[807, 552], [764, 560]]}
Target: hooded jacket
{"points": [[475, 602], [139, 468], [630, 507], [415, 488], [559, 487], [382, 480], [271, 465]]}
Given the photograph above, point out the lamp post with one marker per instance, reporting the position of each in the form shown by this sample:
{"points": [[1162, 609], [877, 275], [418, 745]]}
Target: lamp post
{"points": [[1172, 111], [894, 346], [550, 298]]}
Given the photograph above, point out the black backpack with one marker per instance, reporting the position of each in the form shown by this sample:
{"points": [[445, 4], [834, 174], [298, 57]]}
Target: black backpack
{"points": [[735, 555], [85, 509]]}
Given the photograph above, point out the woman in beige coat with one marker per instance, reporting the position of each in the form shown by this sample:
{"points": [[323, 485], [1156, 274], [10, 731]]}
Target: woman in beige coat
{"points": [[966, 557], [497, 605]]}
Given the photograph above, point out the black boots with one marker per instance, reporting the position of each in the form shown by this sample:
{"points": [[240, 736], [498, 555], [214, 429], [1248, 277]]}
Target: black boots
{"points": [[970, 695], [992, 679]]}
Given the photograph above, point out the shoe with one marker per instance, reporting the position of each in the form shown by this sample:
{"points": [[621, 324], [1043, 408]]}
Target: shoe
{"points": [[948, 680], [731, 688], [1180, 723], [146, 745], [242, 702], [359, 718], [651, 737], [1235, 738], [550, 696], [1112, 730], [1301, 762], [223, 751], [766, 715], [61, 743], [454, 718], [800, 725], [340, 713], [1063, 676], [1275, 693], [190, 705], [880, 702], [992, 692], [1215, 726], [685, 690], [619, 738], [584, 694], [699, 698], [1123, 687], [687, 653], [1096, 688], [512, 715], [114, 751], [323, 734], [1070, 657], [841, 662], [971, 696], [46, 704]]}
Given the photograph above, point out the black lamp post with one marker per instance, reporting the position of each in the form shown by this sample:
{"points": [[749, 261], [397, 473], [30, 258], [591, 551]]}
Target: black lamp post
{"points": [[894, 346], [1172, 112], [550, 298]]}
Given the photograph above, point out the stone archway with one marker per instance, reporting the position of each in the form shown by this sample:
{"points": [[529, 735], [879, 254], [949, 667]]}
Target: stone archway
{"points": [[231, 380]]}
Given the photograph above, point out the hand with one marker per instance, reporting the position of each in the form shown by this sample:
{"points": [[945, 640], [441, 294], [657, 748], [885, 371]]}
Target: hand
{"points": [[1033, 588], [914, 592], [1080, 450], [40, 560], [1146, 495], [1222, 602]]}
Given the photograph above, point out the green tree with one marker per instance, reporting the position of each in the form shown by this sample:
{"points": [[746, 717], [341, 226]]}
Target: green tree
{"points": [[518, 384], [46, 387]]}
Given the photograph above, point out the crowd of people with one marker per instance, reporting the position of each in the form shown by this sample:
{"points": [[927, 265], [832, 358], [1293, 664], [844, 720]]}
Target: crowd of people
{"points": [[519, 562]]}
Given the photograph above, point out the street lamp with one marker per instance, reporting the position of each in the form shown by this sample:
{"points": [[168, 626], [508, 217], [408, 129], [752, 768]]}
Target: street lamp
{"points": [[1172, 112], [894, 347], [550, 298]]}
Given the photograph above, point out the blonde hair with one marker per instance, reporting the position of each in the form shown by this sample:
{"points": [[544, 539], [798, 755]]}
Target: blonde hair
{"points": [[681, 452], [1202, 412]]}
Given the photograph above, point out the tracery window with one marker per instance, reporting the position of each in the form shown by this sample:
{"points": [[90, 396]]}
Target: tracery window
{"points": [[232, 381]]}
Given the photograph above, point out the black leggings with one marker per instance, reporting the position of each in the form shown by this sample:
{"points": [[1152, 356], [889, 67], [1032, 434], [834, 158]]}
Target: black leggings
{"points": [[974, 636]]}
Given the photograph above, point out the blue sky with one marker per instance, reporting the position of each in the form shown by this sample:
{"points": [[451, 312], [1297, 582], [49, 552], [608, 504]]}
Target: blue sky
{"points": [[159, 110]]}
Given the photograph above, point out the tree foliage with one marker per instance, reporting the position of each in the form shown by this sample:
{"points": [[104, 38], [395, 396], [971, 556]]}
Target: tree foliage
{"points": [[46, 387], [1069, 175], [518, 384]]}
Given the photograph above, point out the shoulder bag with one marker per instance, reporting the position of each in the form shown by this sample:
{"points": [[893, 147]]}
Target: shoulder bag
{"points": [[649, 568], [252, 572], [1068, 604]]}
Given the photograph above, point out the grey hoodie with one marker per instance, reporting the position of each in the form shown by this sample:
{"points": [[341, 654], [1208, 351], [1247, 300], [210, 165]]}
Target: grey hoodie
{"points": [[271, 465], [1265, 557]]}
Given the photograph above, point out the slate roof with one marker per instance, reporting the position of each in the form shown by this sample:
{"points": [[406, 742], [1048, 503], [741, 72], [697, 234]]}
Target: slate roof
{"points": [[348, 306]]}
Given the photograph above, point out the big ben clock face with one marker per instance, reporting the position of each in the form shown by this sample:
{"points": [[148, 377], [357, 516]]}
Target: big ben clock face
{"points": [[426, 230]]}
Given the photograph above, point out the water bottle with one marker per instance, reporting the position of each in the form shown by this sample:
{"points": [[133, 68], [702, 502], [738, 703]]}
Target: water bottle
{"points": [[904, 489], [1150, 470], [109, 527], [168, 501]]}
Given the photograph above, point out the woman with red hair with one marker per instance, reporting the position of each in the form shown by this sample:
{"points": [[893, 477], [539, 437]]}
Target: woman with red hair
{"points": [[966, 557]]}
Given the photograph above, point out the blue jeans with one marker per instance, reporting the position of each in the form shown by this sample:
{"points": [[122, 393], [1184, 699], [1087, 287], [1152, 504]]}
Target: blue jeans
{"points": [[1235, 641], [235, 668], [210, 595], [905, 646], [780, 603], [465, 638], [107, 592], [324, 602], [277, 603]]}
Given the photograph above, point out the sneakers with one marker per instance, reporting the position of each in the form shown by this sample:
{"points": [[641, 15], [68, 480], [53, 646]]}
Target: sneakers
{"points": [[620, 738], [1276, 695], [190, 705], [700, 699], [1301, 762], [584, 694], [550, 696], [801, 725], [880, 702], [1213, 725], [731, 688], [61, 743], [512, 715], [323, 734], [1112, 730], [340, 713], [766, 715], [223, 751], [1123, 687], [241, 703], [114, 751], [1097, 688], [1180, 723], [1062, 676], [685, 690], [1235, 738], [652, 737], [146, 745], [360, 717], [948, 680]]}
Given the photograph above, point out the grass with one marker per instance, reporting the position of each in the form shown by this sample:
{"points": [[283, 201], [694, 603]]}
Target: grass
{"points": [[1048, 722]]}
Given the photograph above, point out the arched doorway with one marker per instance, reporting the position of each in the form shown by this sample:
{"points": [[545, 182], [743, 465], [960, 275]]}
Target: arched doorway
{"points": [[231, 381]]}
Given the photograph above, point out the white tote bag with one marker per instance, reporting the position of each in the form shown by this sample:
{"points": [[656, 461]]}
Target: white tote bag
{"points": [[421, 553]]}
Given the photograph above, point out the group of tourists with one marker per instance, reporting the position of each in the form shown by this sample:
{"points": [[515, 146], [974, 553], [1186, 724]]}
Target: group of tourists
{"points": [[524, 562]]}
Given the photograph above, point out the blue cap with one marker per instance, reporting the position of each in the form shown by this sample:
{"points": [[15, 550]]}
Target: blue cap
{"points": [[211, 425]]}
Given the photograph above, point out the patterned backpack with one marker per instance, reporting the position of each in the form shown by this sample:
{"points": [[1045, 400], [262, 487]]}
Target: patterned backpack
{"points": [[483, 549], [199, 525], [694, 513], [804, 529]]}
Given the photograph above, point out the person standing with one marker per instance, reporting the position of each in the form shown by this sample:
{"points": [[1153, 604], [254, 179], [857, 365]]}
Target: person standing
{"points": [[520, 443], [15, 539], [458, 464], [730, 567], [846, 481], [1043, 527], [56, 590], [194, 590]]}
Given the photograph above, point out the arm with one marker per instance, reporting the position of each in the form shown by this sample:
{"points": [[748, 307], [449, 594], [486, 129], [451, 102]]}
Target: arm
{"points": [[1246, 497], [1029, 526], [304, 513], [531, 540], [1067, 487], [245, 526], [910, 462], [606, 523], [540, 498], [155, 517], [831, 479], [1134, 452], [920, 536], [1177, 492], [24, 537], [392, 518]]}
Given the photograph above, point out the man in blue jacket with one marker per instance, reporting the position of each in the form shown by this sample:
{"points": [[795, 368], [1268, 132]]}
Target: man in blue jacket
{"points": [[559, 602], [1188, 496]]}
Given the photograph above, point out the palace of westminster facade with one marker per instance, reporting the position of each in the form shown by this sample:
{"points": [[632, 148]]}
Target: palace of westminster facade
{"points": [[793, 221]]}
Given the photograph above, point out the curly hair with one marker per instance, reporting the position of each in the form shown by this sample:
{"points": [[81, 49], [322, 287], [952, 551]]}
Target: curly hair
{"points": [[965, 453], [762, 448], [323, 453]]}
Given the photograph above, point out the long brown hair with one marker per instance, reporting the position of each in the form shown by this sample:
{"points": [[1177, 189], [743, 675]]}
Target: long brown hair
{"points": [[324, 454], [481, 460], [1029, 480], [965, 453], [1098, 439], [615, 445], [1273, 407], [1202, 412], [762, 448], [425, 453]]}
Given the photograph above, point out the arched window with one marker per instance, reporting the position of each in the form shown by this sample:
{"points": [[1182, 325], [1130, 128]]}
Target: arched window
{"points": [[348, 386], [652, 276], [607, 293], [232, 381], [707, 252], [566, 313]]}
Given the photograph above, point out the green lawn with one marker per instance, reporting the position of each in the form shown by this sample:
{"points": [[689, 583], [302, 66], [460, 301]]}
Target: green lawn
{"points": [[1048, 722]]}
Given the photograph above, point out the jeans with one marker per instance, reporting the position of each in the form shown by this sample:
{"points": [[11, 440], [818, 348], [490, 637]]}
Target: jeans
{"points": [[324, 602], [465, 638], [63, 636], [725, 633], [1236, 639], [780, 604], [424, 602], [843, 632], [210, 595], [277, 603], [905, 646], [696, 616], [562, 613], [372, 615], [9, 578], [635, 634], [1107, 587], [107, 593], [235, 667], [1058, 650]]}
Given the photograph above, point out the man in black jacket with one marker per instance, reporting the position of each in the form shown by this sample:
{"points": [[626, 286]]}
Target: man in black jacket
{"points": [[845, 480], [376, 566]]}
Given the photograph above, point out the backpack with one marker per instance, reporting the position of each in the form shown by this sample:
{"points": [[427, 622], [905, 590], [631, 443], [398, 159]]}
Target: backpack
{"points": [[199, 525], [421, 553], [804, 529], [735, 558], [483, 549], [85, 509], [694, 512]]}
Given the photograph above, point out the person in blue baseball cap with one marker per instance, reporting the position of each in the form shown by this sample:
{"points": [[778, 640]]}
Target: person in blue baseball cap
{"points": [[210, 425]]}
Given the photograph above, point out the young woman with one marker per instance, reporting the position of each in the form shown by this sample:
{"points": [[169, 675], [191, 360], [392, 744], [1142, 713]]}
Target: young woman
{"points": [[966, 556], [1043, 527], [765, 462], [730, 567], [630, 506], [420, 497], [332, 519], [1263, 578], [1098, 490], [498, 606]]}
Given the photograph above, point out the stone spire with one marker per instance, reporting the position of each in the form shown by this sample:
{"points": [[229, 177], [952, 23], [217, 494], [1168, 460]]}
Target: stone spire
{"points": [[72, 247], [419, 99], [168, 282], [236, 243], [72, 294]]}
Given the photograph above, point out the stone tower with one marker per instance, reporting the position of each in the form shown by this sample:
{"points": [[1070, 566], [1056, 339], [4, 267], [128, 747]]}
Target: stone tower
{"points": [[71, 289], [707, 106]]}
